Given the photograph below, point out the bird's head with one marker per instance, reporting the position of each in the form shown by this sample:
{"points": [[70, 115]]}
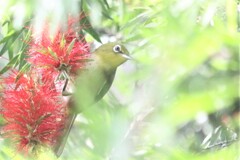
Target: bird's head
{"points": [[112, 54]]}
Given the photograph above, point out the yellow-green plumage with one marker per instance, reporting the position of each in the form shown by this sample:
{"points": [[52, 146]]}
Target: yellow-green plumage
{"points": [[94, 82]]}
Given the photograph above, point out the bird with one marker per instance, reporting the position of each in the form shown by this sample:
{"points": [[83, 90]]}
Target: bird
{"points": [[92, 83]]}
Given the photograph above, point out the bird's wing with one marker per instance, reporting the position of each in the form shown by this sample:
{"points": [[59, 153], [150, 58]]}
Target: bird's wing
{"points": [[106, 82], [105, 85]]}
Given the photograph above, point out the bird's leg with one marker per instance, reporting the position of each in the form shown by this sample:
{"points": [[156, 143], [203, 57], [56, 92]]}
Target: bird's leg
{"points": [[65, 85], [64, 91]]}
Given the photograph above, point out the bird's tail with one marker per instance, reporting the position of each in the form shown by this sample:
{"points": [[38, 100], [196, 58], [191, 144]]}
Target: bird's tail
{"points": [[59, 147]]}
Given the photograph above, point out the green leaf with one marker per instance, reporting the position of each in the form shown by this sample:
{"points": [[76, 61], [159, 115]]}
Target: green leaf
{"points": [[5, 22], [10, 64], [69, 49], [107, 16], [52, 53], [138, 20], [89, 29], [26, 40], [9, 41], [106, 3], [10, 52], [94, 34], [8, 36], [25, 68], [22, 61], [4, 49]]}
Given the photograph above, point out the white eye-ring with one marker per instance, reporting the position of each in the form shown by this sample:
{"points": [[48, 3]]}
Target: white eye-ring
{"points": [[117, 49]]}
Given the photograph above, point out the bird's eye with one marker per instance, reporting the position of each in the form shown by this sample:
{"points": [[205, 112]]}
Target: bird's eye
{"points": [[117, 49]]}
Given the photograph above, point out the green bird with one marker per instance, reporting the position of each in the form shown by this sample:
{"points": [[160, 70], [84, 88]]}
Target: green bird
{"points": [[93, 83]]}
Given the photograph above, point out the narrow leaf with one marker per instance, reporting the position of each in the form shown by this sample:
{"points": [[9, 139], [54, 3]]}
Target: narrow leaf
{"points": [[69, 49], [23, 70], [5, 22], [106, 3], [89, 29], [10, 64], [52, 53], [4, 49], [8, 36], [94, 34], [10, 41]]}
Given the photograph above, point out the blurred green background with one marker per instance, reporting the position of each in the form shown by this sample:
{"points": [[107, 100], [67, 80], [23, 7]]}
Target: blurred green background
{"points": [[178, 100]]}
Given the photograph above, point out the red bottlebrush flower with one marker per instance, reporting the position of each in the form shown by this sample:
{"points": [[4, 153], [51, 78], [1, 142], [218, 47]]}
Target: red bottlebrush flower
{"points": [[66, 50], [33, 109]]}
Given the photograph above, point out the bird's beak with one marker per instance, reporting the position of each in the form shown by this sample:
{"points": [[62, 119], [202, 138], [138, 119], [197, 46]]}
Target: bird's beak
{"points": [[128, 57]]}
